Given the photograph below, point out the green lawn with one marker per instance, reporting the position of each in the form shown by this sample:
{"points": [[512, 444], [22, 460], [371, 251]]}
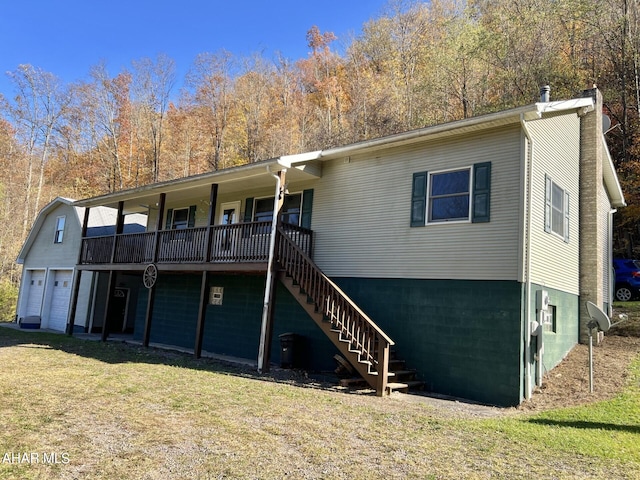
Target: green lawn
{"points": [[113, 411]]}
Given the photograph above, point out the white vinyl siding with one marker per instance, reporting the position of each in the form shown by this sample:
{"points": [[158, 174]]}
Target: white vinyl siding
{"points": [[606, 219], [44, 252], [362, 213], [556, 151]]}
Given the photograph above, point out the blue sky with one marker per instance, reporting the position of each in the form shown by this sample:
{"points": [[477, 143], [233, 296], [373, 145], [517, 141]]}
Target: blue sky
{"points": [[67, 37]]}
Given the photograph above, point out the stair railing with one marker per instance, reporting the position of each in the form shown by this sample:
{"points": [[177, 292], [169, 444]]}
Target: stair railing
{"points": [[353, 325]]}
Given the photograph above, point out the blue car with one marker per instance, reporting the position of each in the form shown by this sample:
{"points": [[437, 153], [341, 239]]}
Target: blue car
{"points": [[627, 279]]}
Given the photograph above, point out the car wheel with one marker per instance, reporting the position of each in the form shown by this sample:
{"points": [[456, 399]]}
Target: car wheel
{"points": [[623, 294]]}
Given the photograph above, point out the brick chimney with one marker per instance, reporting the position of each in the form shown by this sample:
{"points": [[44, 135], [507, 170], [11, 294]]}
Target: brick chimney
{"points": [[592, 214]]}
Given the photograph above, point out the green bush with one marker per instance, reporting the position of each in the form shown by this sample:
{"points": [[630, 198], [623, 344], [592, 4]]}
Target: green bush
{"points": [[8, 300]]}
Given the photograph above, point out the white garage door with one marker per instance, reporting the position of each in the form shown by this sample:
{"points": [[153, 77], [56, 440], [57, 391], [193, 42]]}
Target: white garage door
{"points": [[60, 296], [36, 289]]}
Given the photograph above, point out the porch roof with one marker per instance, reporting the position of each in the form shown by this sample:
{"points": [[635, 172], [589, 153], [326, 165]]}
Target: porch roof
{"points": [[253, 175]]}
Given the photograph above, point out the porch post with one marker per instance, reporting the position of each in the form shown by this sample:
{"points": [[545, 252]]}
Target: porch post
{"points": [[77, 275], [213, 199], [152, 291], [266, 330], [119, 228], [147, 319], [159, 222], [110, 289], [202, 311]]}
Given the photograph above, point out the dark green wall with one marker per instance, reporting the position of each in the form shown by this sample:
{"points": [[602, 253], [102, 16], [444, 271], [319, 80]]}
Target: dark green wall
{"points": [[232, 328], [557, 344], [463, 337]]}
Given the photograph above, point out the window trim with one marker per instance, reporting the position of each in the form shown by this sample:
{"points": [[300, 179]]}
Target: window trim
{"points": [[256, 199], [173, 216], [549, 210], [479, 195], [468, 194], [58, 235]]}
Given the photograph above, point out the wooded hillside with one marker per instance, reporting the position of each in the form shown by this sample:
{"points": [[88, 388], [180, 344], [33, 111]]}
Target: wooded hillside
{"points": [[418, 64]]}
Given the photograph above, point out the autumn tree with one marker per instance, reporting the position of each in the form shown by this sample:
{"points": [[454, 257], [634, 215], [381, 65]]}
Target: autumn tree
{"points": [[106, 107], [37, 110], [211, 81], [152, 84]]}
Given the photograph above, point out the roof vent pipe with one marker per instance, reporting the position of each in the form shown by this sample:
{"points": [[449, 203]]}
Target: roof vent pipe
{"points": [[544, 94]]}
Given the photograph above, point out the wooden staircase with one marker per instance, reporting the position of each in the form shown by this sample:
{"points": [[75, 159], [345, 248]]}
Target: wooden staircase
{"points": [[366, 347]]}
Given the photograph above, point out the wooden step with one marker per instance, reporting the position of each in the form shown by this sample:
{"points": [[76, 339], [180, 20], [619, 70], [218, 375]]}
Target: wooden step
{"points": [[404, 387]]}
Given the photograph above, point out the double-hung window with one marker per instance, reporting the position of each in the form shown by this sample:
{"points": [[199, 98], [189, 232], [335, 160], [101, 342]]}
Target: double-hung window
{"points": [[59, 230], [449, 196], [556, 218], [290, 211], [460, 195]]}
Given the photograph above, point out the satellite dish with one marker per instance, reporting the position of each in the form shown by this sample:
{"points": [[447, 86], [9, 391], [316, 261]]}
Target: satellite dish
{"points": [[598, 317], [606, 123]]}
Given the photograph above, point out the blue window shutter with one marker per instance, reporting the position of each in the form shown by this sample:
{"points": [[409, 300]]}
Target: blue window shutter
{"points": [[566, 217], [307, 204], [248, 210], [481, 192], [169, 218], [191, 220], [419, 199], [547, 203]]}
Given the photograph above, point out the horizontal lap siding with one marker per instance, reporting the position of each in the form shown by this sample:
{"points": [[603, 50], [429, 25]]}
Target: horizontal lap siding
{"points": [[45, 253], [556, 151], [362, 207], [606, 245]]}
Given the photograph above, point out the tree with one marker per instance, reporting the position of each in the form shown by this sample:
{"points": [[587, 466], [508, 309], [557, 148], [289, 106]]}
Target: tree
{"points": [[152, 85], [38, 111], [212, 84]]}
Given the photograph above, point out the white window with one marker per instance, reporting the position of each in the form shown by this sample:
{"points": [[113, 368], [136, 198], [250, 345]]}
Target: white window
{"points": [[449, 196], [556, 209], [290, 212], [180, 219], [59, 230]]}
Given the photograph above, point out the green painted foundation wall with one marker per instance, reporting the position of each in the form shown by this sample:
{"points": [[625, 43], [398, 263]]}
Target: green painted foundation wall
{"points": [[463, 337], [558, 343], [233, 328]]}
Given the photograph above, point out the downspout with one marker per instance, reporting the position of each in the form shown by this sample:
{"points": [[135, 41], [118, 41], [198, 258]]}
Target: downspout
{"points": [[270, 276], [527, 276], [612, 272]]}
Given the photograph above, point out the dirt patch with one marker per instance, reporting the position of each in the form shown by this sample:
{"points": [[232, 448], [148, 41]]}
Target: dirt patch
{"points": [[567, 384]]}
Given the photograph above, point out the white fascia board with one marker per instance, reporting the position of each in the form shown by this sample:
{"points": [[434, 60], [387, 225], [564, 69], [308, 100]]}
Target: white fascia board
{"points": [[584, 104], [611, 180]]}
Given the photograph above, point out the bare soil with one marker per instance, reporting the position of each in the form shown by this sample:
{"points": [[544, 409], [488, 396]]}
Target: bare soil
{"points": [[568, 384]]}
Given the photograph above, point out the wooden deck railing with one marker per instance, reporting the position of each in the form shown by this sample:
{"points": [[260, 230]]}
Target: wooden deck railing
{"points": [[240, 242], [363, 335]]}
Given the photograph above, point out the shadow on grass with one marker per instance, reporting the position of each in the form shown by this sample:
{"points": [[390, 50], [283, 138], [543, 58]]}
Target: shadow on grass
{"points": [[118, 352], [585, 425]]}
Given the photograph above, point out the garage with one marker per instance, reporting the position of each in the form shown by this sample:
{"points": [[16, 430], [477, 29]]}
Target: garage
{"points": [[60, 295], [36, 290]]}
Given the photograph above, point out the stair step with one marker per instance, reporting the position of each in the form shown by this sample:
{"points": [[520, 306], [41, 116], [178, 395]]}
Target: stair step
{"points": [[402, 373], [404, 386]]}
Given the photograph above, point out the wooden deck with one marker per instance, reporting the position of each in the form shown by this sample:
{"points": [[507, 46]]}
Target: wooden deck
{"points": [[237, 247]]}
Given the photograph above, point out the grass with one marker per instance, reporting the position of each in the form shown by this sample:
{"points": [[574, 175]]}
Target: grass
{"points": [[114, 411], [631, 325]]}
